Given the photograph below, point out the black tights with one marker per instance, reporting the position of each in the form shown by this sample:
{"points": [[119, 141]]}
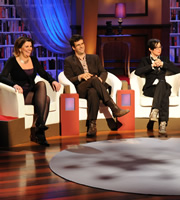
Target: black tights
{"points": [[38, 97]]}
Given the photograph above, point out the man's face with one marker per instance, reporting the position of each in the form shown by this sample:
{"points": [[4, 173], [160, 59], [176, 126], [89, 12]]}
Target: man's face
{"points": [[157, 50], [79, 47]]}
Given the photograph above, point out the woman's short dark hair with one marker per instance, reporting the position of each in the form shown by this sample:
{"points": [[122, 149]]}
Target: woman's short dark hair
{"points": [[19, 43], [152, 43], [75, 38]]}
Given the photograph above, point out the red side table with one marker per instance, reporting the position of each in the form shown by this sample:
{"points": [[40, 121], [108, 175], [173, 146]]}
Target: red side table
{"points": [[69, 117], [125, 100]]}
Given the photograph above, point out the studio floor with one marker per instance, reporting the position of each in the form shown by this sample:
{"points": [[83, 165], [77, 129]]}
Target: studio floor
{"points": [[25, 172]]}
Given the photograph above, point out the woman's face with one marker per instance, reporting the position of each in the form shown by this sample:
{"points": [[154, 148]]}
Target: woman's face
{"points": [[26, 49]]}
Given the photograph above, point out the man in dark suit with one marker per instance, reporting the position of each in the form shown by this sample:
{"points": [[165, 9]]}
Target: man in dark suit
{"points": [[154, 68], [88, 75]]}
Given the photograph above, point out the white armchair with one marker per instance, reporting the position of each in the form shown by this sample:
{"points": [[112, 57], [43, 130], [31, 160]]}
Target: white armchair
{"points": [[12, 104], [143, 104], [104, 112]]}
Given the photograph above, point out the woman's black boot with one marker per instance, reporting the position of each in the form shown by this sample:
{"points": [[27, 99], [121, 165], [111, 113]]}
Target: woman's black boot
{"points": [[39, 136]]}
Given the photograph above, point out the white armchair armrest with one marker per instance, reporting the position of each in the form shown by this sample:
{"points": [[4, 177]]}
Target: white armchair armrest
{"points": [[115, 84], [11, 102], [66, 82]]}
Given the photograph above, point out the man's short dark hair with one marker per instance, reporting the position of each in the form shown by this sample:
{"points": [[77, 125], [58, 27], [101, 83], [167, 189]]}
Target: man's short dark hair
{"points": [[152, 43], [75, 38]]}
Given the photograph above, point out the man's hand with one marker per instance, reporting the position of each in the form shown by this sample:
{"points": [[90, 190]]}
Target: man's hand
{"points": [[157, 63], [99, 78], [85, 76]]}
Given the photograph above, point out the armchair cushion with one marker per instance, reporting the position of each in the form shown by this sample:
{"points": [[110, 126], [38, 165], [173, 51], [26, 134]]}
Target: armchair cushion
{"points": [[112, 80], [143, 103], [54, 109], [104, 112], [12, 104], [29, 109], [82, 103]]}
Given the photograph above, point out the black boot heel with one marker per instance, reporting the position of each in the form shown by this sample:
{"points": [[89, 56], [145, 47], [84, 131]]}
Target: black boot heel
{"points": [[39, 138]]}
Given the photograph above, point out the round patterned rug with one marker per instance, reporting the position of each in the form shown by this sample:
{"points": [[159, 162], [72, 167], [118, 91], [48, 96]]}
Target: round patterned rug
{"points": [[138, 165]]}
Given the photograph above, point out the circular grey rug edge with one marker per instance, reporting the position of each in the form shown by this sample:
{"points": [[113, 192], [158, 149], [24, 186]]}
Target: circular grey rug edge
{"points": [[60, 164]]}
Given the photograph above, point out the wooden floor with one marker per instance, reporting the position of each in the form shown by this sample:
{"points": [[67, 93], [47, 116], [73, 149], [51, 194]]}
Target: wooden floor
{"points": [[25, 173]]}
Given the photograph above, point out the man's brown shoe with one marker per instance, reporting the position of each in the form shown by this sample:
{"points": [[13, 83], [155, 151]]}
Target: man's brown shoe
{"points": [[120, 112], [117, 112], [92, 129]]}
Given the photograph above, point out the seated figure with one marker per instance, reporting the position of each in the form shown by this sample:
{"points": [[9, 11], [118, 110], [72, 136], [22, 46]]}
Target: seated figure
{"points": [[154, 68], [88, 75], [22, 67]]}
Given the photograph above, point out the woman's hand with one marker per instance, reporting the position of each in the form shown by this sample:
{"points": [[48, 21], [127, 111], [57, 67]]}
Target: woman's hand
{"points": [[56, 86], [18, 88]]}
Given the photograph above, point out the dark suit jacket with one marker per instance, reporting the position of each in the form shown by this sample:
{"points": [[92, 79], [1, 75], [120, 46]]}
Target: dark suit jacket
{"points": [[145, 70], [73, 68]]}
